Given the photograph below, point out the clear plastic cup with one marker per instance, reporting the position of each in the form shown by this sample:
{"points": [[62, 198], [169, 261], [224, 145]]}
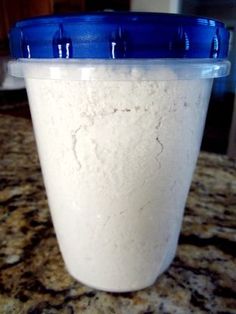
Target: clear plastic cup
{"points": [[118, 142]]}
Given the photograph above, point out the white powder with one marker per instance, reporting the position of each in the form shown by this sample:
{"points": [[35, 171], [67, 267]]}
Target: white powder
{"points": [[117, 159]]}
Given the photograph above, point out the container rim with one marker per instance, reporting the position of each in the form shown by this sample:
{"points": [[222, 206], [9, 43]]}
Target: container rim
{"points": [[128, 69]]}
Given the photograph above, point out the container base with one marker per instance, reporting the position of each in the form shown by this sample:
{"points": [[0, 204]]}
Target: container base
{"points": [[117, 290]]}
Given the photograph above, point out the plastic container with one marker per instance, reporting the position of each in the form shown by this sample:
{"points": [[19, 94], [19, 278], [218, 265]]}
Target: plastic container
{"points": [[118, 115]]}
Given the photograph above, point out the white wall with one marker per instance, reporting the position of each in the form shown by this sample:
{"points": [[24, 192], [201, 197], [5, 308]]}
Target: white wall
{"points": [[166, 6]]}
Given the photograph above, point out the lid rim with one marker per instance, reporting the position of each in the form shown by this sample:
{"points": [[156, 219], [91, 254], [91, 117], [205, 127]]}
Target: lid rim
{"points": [[115, 35], [202, 20]]}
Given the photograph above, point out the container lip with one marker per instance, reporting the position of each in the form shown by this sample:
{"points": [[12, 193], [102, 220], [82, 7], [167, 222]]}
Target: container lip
{"points": [[115, 35], [128, 69]]}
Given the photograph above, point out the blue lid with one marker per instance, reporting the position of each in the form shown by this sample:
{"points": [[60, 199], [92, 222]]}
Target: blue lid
{"points": [[114, 35]]}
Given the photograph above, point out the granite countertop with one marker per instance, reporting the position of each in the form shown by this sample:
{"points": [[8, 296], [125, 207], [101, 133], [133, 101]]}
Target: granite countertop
{"points": [[202, 278]]}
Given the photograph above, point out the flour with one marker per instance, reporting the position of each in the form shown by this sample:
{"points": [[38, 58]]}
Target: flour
{"points": [[117, 158]]}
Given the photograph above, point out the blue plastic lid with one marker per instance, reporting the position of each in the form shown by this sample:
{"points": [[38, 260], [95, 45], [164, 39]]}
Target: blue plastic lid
{"points": [[114, 35]]}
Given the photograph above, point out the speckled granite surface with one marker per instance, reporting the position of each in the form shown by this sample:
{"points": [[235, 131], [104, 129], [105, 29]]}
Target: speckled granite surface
{"points": [[202, 278]]}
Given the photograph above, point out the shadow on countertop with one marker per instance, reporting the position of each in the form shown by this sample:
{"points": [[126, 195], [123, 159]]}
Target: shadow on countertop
{"points": [[14, 103]]}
